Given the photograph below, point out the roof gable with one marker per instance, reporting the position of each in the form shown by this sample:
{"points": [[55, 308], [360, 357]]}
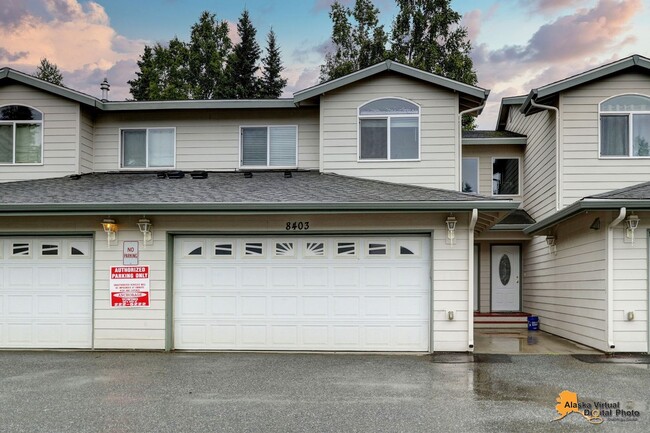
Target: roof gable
{"points": [[8, 74], [471, 96], [549, 92]]}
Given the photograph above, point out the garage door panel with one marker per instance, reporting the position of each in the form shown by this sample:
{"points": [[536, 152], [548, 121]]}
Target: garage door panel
{"points": [[46, 293], [303, 293]]}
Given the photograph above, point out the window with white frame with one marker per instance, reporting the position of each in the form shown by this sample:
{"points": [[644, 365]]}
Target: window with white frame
{"points": [[21, 135], [625, 126], [470, 175], [389, 129], [505, 176], [148, 148], [269, 146]]}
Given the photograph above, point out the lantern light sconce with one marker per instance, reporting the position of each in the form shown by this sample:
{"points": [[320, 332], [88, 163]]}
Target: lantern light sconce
{"points": [[631, 222], [110, 228], [550, 241], [451, 229], [144, 225]]}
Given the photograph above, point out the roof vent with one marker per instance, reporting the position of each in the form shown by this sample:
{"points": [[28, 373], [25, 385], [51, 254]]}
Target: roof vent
{"points": [[199, 174], [287, 175], [175, 174], [105, 87], [248, 174], [161, 175], [75, 176]]}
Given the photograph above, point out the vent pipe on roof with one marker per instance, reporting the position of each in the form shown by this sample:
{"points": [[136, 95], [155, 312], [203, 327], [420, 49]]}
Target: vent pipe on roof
{"points": [[105, 88]]}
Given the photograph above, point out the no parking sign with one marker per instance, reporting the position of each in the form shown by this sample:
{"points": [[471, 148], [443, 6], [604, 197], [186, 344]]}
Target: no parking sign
{"points": [[129, 286]]}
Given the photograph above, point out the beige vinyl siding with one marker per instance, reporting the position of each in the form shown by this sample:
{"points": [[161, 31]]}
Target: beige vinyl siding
{"points": [[206, 140], [60, 133], [568, 289], [86, 137], [584, 173], [438, 132], [145, 328], [631, 288], [539, 160], [485, 154]]}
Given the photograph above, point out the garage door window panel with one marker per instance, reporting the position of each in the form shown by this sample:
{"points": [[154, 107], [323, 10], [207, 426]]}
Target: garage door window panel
{"points": [[21, 135], [50, 249], [284, 249], [254, 249], [377, 249], [223, 250], [314, 249], [346, 249], [21, 249]]}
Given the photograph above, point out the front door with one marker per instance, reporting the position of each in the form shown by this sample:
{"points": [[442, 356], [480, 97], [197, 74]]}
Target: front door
{"points": [[505, 278]]}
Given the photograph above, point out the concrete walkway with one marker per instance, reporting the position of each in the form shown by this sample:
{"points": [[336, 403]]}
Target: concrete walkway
{"points": [[522, 341], [126, 392]]}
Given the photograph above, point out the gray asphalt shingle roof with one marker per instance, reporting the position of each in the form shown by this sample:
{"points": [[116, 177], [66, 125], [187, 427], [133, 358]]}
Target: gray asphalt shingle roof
{"points": [[271, 189], [635, 192]]}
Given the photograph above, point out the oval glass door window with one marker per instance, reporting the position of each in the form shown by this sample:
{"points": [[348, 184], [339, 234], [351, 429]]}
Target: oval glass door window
{"points": [[505, 269]]}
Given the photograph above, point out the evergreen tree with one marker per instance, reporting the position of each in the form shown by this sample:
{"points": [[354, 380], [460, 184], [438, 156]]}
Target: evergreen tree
{"points": [[49, 72], [358, 39], [172, 64], [272, 83], [243, 63], [209, 49], [146, 77], [427, 35]]}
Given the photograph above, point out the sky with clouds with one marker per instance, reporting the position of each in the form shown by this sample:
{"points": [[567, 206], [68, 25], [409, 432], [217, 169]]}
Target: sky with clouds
{"points": [[517, 44]]}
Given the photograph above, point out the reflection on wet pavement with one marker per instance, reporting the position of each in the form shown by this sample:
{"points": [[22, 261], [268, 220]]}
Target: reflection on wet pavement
{"points": [[522, 341]]}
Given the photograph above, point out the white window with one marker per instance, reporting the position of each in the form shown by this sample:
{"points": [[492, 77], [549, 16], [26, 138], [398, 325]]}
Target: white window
{"points": [[470, 175], [148, 148], [625, 126], [269, 146], [505, 176], [21, 135], [389, 129]]}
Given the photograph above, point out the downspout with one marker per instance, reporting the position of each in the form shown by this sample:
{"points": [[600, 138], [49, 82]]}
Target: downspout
{"points": [[558, 151], [610, 278], [470, 284], [459, 170]]}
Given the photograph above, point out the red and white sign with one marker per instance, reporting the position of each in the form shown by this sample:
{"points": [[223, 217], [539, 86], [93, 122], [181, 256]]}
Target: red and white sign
{"points": [[129, 286]]}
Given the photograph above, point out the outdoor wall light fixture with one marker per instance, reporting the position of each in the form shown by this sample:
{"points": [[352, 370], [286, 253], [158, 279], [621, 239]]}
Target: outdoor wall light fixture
{"points": [[110, 227], [451, 229], [144, 225], [631, 222], [550, 241]]}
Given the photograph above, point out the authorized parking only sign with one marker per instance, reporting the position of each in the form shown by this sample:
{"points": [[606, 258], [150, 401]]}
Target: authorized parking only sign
{"points": [[129, 286]]}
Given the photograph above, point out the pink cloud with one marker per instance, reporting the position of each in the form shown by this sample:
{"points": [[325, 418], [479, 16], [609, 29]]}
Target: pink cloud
{"points": [[549, 6], [474, 19], [74, 35]]}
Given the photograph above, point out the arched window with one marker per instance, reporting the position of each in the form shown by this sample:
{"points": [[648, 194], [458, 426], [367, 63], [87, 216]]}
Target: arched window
{"points": [[389, 129], [625, 126], [21, 135]]}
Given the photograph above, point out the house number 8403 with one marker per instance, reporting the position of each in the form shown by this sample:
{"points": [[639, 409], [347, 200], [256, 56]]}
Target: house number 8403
{"points": [[297, 225]]}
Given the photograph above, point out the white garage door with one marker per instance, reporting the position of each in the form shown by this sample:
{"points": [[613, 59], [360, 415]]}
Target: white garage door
{"points": [[45, 292], [302, 293]]}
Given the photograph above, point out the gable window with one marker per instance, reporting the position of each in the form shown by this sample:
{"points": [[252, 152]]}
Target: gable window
{"points": [[21, 135], [148, 148], [625, 126], [269, 146], [505, 176], [389, 129], [470, 175]]}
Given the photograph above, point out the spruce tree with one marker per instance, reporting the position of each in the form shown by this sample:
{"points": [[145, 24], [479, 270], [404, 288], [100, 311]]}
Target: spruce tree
{"points": [[243, 63], [272, 83]]}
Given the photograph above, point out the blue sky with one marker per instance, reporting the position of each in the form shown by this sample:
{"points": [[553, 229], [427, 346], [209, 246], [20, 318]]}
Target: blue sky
{"points": [[518, 44]]}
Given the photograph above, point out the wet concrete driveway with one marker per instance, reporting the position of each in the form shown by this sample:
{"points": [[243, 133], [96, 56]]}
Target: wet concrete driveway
{"points": [[191, 392]]}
